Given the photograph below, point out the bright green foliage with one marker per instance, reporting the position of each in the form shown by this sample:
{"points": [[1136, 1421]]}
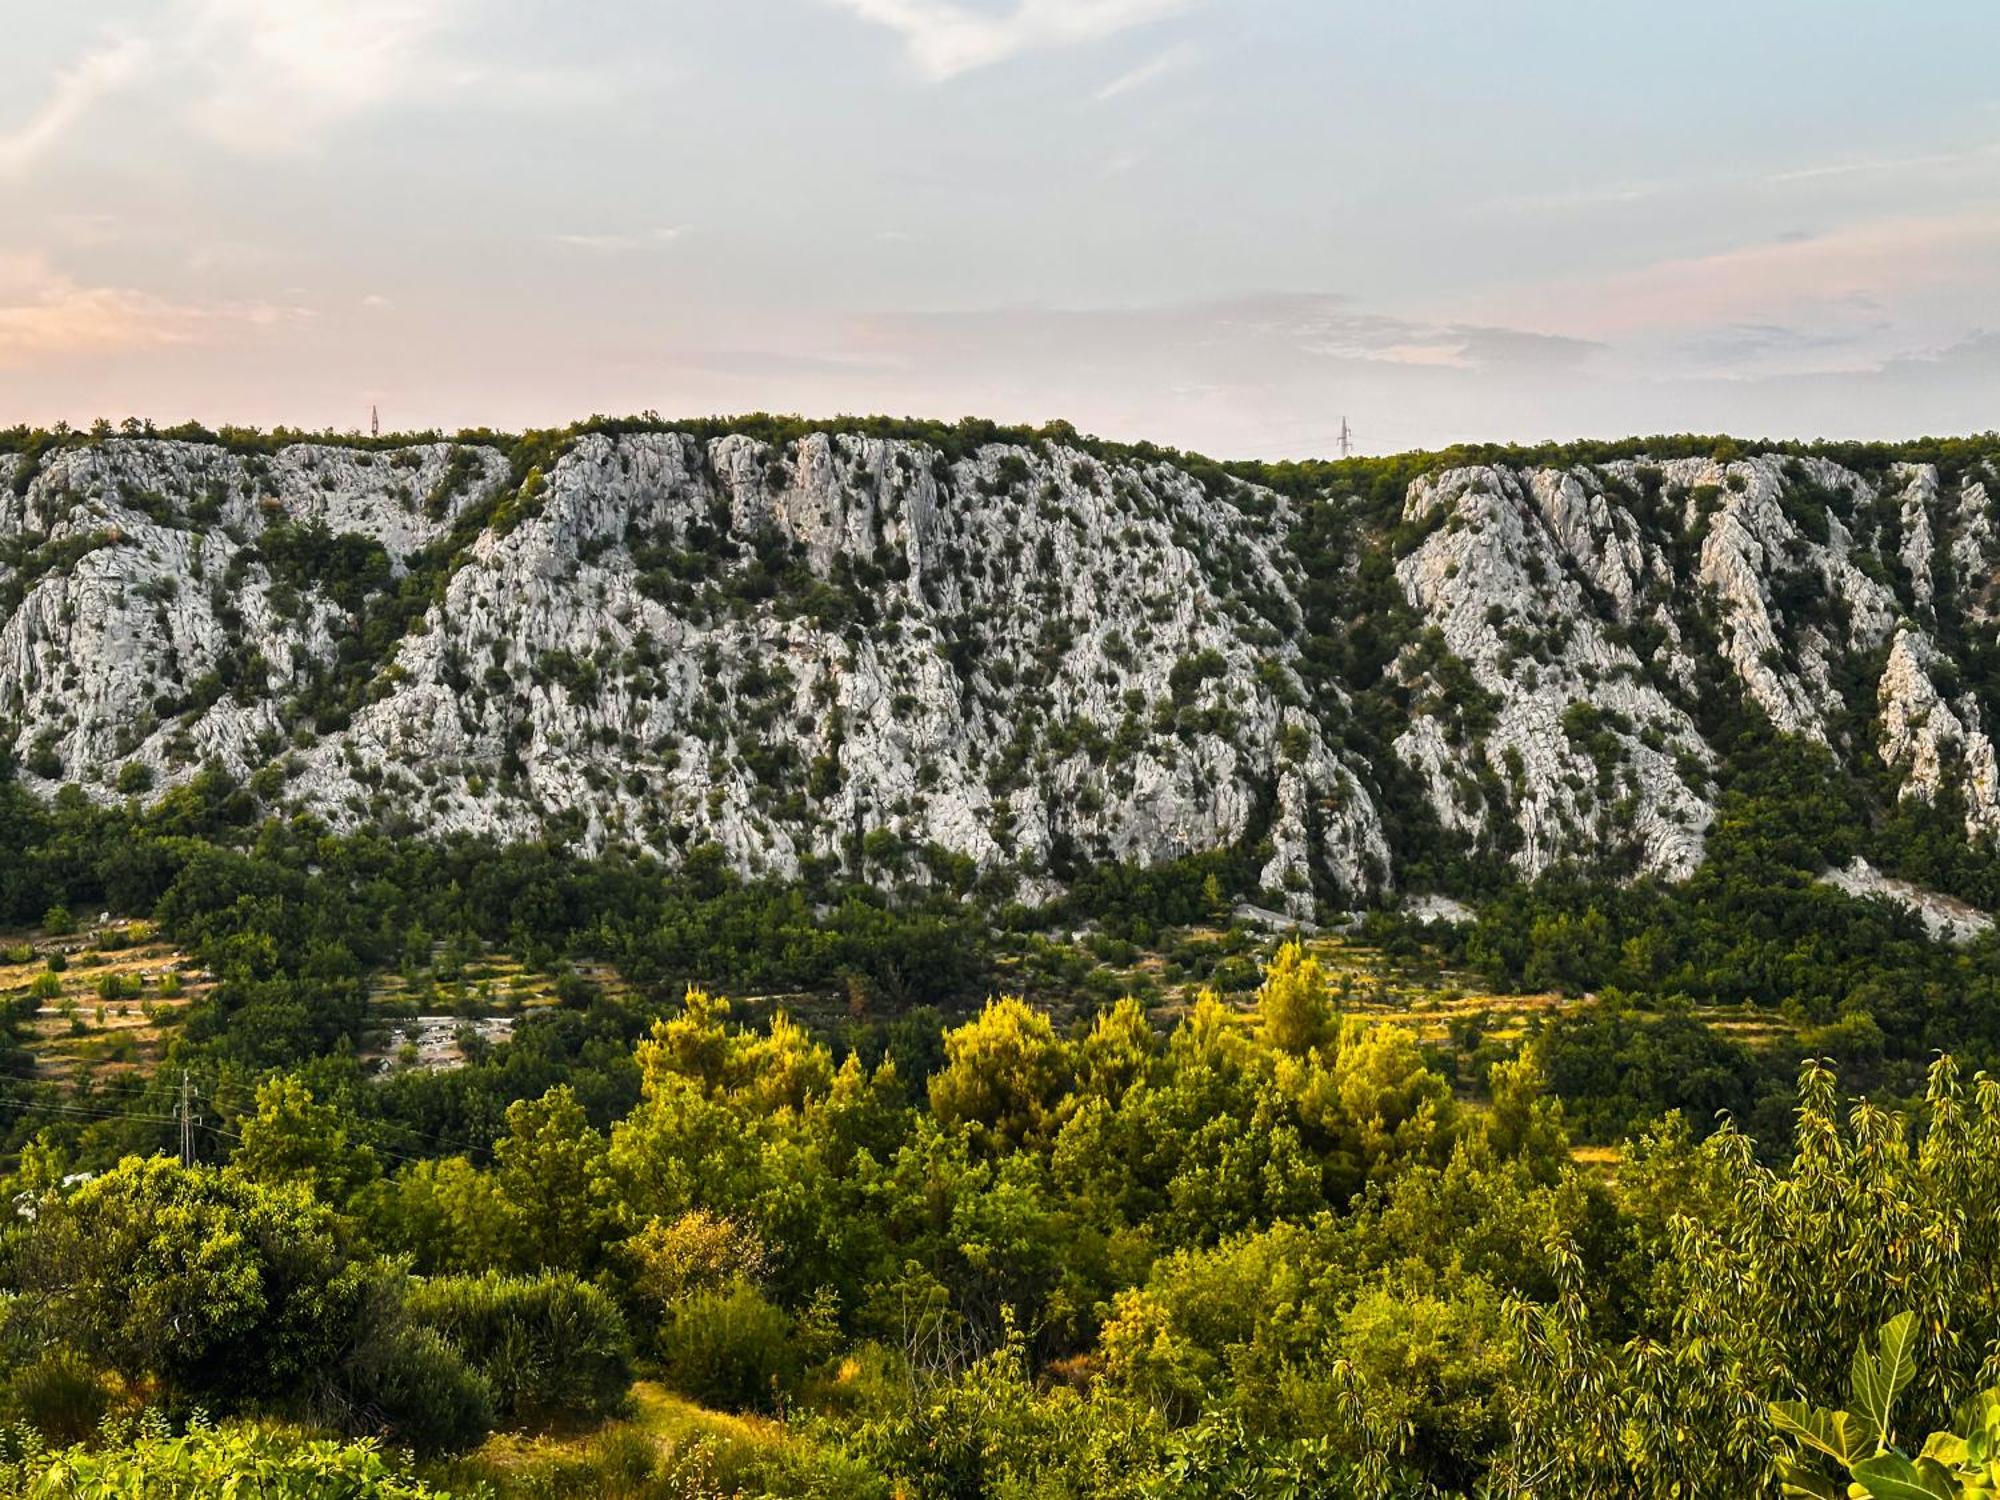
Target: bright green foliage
{"points": [[1293, 1002], [1766, 1278], [293, 1139], [697, 1252], [1963, 1462], [447, 1214], [551, 1176], [206, 1463], [1237, 1257], [731, 1347], [1004, 1077]]}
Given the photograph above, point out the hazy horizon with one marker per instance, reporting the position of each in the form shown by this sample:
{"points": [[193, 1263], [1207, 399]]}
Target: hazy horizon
{"points": [[1216, 227]]}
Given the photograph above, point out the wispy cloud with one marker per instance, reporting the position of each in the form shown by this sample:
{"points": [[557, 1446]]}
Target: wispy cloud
{"points": [[1868, 165], [278, 72], [1851, 271], [1754, 347], [76, 89], [47, 314], [1272, 330], [620, 244], [944, 39], [268, 77], [1642, 190], [1175, 59]]}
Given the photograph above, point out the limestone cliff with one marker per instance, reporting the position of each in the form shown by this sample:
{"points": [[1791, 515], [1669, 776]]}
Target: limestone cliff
{"points": [[865, 652]]}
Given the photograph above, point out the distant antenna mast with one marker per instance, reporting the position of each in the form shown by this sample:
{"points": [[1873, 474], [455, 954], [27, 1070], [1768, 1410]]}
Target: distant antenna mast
{"points": [[1346, 438], [374, 421]]}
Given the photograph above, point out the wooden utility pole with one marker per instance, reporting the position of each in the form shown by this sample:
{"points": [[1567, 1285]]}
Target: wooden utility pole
{"points": [[186, 1114]]}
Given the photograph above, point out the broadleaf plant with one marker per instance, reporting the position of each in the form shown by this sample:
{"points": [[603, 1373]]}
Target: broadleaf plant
{"points": [[1866, 1463]]}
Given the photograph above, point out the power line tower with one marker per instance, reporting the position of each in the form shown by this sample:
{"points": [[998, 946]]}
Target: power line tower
{"points": [[1346, 438], [374, 421]]}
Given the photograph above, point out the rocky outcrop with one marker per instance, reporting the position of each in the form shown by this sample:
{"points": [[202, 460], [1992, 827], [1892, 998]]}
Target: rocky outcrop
{"points": [[1564, 740], [1974, 548], [1933, 741], [1945, 918], [140, 629], [1571, 600]]}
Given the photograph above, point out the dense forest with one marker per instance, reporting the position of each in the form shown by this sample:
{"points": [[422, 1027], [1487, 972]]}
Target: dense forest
{"points": [[947, 1246], [885, 1181]]}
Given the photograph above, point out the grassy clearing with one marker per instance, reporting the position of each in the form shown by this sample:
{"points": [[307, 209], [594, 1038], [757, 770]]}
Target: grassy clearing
{"points": [[666, 1446]]}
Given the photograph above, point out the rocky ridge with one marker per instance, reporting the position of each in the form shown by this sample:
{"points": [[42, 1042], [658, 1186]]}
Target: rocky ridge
{"points": [[858, 652]]}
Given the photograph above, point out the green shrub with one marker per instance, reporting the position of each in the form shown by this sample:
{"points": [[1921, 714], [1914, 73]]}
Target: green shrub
{"points": [[60, 1394], [206, 1287], [730, 1347], [425, 1393], [118, 986], [549, 1346]]}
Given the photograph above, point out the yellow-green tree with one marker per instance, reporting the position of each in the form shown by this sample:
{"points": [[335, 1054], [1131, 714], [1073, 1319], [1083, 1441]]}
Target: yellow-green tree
{"points": [[1294, 1003], [1005, 1077]]}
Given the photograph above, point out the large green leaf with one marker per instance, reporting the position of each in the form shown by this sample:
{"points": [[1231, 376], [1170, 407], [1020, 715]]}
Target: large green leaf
{"points": [[1898, 1363], [1890, 1476], [1878, 1380], [1979, 1420], [1947, 1448], [1842, 1436]]}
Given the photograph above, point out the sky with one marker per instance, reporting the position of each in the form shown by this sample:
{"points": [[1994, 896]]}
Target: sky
{"points": [[1222, 225]]}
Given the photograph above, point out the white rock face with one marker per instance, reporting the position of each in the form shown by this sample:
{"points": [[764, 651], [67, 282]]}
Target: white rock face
{"points": [[1579, 753], [1919, 501], [1974, 548], [1934, 742], [856, 653], [1435, 908], [1752, 545], [147, 633], [1571, 600], [850, 651]]}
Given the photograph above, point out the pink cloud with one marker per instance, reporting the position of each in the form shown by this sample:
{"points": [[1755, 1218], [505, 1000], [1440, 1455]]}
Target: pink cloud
{"points": [[46, 314], [1856, 269]]}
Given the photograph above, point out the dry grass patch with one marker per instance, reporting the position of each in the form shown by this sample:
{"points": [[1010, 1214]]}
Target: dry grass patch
{"points": [[106, 998]]}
